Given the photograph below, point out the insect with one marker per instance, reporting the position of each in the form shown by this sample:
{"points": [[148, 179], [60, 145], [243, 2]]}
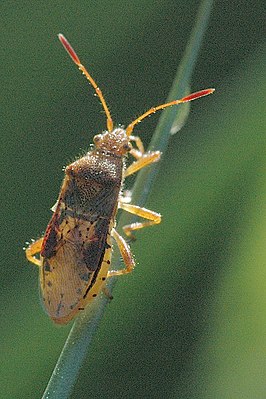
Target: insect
{"points": [[74, 255]]}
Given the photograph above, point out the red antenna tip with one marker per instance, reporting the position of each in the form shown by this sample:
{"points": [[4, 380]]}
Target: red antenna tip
{"points": [[69, 49], [198, 94]]}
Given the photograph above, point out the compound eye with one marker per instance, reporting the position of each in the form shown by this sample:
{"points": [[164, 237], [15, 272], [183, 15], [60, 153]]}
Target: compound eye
{"points": [[127, 147], [97, 138]]}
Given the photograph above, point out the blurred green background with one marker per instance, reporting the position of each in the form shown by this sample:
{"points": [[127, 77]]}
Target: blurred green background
{"points": [[190, 322]]}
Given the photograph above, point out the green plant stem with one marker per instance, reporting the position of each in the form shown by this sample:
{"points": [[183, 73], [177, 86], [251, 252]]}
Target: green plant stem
{"points": [[78, 342], [170, 116]]}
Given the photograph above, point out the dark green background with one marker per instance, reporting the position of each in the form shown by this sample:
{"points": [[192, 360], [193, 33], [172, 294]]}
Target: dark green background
{"points": [[190, 322]]}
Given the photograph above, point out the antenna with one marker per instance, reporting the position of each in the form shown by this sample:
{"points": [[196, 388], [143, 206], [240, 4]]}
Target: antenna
{"points": [[81, 67], [186, 99]]}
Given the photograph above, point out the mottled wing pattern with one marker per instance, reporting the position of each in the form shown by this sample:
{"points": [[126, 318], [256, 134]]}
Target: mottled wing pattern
{"points": [[73, 252]]}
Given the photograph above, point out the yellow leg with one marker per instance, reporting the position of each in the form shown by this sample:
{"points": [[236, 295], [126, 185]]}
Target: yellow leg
{"points": [[126, 255], [138, 142], [153, 218], [145, 160], [136, 153], [34, 249]]}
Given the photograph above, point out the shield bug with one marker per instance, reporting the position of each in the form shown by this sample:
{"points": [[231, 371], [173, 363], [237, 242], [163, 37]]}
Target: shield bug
{"points": [[75, 251]]}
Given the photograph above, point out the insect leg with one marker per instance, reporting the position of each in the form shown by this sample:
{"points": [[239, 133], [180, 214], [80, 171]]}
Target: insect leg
{"points": [[153, 218], [126, 255], [139, 144], [145, 160], [34, 249]]}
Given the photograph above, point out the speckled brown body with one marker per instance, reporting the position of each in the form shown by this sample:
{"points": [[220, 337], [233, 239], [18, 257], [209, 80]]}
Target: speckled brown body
{"points": [[77, 243], [75, 252]]}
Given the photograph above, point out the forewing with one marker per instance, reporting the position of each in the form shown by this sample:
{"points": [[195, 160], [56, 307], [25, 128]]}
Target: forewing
{"points": [[72, 267]]}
